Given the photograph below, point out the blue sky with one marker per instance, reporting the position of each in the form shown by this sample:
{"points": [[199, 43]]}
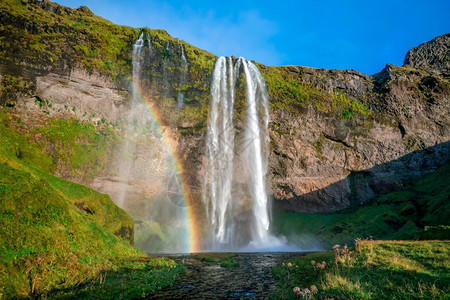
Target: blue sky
{"points": [[360, 35]]}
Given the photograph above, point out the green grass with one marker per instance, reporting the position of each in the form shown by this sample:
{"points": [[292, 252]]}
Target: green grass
{"points": [[230, 264], [135, 279], [215, 257], [372, 270], [226, 260], [47, 241], [55, 234], [397, 215], [66, 148], [440, 232], [80, 149]]}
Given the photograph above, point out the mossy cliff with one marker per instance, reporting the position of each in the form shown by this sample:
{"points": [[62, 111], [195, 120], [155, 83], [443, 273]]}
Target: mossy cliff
{"points": [[65, 63], [341, 136], [333, 133], [338, 138]]}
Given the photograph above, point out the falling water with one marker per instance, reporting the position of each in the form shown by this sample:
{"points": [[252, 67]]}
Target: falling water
{"points": [[165, 64], [219, 151], [129, 146], [149, 40], [223, 207], [183, 74], [256, 161], [159, 210]]}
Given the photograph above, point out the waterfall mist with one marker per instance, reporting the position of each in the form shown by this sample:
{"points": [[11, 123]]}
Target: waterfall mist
{"points": [[149, 185]]}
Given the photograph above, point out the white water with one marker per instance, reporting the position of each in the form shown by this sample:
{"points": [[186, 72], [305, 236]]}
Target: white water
{"points": [[256, 161], [183, 74], [149, 41], [129, 147], [233, 226], [219, 150]]}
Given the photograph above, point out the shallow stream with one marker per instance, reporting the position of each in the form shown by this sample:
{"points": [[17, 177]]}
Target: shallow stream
{"points": [[207, 280]]}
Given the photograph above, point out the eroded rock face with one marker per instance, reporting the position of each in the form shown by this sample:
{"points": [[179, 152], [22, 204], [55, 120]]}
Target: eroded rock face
{"points": [[323, 162], [433, 56], [88, 98]]}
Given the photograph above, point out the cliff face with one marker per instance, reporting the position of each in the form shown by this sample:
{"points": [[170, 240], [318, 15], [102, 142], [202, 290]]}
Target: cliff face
{"points": [[327, 161], [337, 137], [433, 56]]}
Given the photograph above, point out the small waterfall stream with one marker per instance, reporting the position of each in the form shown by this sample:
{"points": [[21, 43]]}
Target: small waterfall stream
{"points": [[183, 74], [150, 185], [129, 146]]}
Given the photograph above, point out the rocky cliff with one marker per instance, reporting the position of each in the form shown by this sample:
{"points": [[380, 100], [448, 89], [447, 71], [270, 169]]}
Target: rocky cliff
{"points": [[337, 137], [325, 160], [433, 56]]}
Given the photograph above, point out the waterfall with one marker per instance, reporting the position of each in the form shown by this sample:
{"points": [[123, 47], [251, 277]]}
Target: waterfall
{"points": [[234, 226], [219, 151], [183, 74], [257, 137], [165, 63], [129, 147], [149, 41], [150, 188]]}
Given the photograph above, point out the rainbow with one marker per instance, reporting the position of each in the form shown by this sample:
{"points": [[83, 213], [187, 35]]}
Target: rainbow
{"points": [[193, 238]]}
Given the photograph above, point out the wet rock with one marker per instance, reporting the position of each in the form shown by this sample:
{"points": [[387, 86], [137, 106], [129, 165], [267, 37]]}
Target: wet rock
{"points": [[252, 279]]}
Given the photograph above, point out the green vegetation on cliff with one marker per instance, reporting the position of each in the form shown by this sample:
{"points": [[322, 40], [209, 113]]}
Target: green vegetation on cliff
{"points": [[397, 215], [81, 149], [52, 37], [55, 234], [49, 35], [65, 148], [372, 270], [290, 93]]}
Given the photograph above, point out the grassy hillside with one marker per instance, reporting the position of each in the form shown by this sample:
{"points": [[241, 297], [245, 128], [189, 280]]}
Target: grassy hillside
{"points": [[66, 148], [372, 270], [397, 215], [55, 234]]}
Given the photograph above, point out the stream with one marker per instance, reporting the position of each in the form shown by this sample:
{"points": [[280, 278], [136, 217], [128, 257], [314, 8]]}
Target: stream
{"points": [[207, 280]]}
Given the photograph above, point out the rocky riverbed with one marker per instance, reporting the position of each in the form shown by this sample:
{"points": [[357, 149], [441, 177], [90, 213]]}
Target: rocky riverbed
{"points": [[206, 279]]}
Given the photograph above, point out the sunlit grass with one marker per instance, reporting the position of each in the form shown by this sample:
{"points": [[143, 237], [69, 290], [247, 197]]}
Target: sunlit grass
{"points": [[372, 270]]}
